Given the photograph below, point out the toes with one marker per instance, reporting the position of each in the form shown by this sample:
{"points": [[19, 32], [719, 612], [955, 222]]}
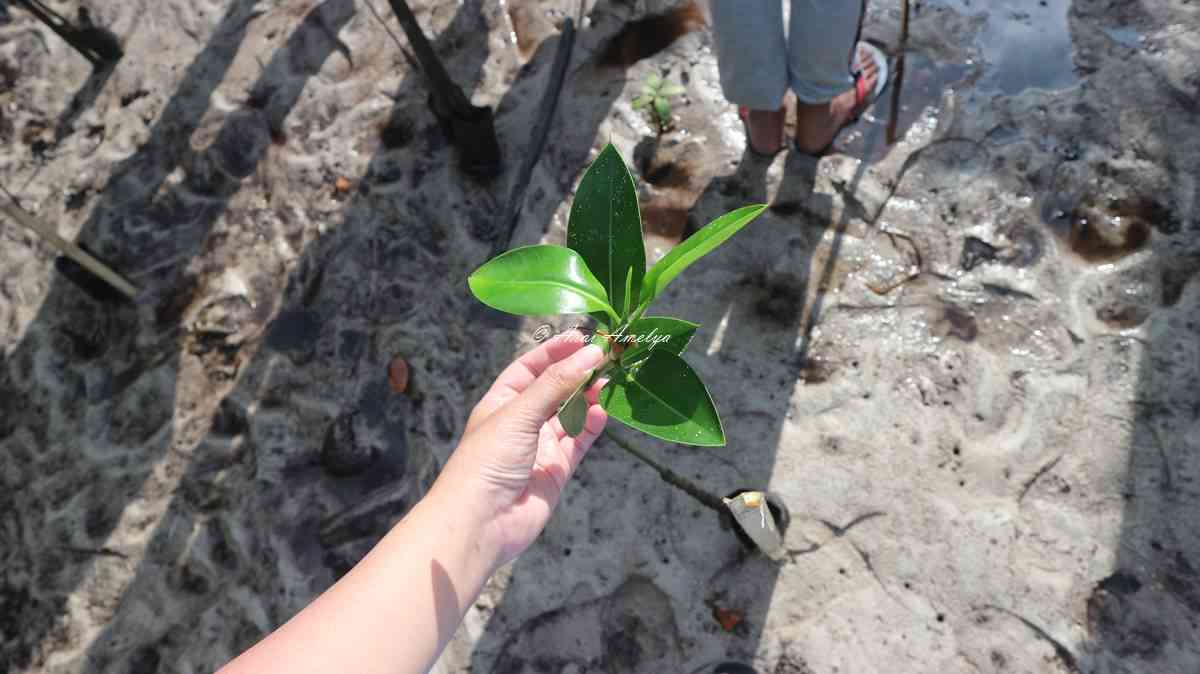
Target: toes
{"points": [[866, 64]]}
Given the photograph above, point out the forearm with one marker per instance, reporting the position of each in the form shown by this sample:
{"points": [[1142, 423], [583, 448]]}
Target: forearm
{"points": [[398, 607], [394, 611]]}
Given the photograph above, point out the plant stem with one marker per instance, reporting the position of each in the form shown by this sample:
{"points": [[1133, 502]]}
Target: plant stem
{"points": [[638, 313], [706, 499]]}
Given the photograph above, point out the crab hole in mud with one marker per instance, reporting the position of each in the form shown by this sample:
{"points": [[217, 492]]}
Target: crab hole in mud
{"points": [[646, 37], [775, 504], [1103, 231]]}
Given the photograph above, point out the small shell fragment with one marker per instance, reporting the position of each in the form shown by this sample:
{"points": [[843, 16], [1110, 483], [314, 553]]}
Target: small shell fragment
{"points": [[750, 511]]}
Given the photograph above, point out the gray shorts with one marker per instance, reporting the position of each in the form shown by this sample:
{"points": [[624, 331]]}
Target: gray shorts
{"points": [[758, 62]]}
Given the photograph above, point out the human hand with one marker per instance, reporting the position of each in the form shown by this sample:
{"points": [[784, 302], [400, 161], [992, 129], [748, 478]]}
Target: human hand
{"points": [[514, 458]]}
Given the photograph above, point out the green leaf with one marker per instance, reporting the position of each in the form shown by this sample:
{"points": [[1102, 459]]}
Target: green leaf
{"points": [[537, 281], [672, 89], [694, 247], [628, 293], [655, 333], [605, 226], [603, 321], [653, 80], [663, 109], [573, 412], [641, 101], [664, 398]]}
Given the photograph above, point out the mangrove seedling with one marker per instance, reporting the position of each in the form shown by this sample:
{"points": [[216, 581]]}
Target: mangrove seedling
{"points": [[657, 93], [602, 272]]}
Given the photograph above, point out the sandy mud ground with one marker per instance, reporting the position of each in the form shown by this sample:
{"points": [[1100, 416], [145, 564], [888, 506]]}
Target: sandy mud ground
{"points": [[967, 362]]}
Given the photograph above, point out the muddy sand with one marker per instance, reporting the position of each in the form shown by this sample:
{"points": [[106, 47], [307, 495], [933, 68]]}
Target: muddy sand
{"points": [[966, 362]]}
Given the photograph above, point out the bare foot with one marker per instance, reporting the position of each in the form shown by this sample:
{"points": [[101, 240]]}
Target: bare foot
{"points": [[764, 130], [817, 124]]}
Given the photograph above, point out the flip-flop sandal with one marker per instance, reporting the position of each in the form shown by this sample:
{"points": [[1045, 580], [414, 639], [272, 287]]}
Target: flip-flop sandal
{"points": [[863, 99], [744, 114]]}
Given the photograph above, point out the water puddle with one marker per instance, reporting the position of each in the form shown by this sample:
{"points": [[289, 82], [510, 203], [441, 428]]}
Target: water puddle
{"points": [[1100, 230], [1024, 44], [1127, 36], [1003, 135], [646, 37], [925, 83]]}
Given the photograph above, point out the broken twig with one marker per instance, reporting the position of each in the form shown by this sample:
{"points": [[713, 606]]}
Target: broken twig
{"points": [[68, 248], [899, 82]]}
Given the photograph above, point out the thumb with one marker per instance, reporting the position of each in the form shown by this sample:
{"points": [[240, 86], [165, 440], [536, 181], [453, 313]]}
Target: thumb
{"points": [[542, 399]]}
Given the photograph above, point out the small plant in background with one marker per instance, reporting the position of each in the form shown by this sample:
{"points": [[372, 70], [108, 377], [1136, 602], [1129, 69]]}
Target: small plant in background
{"points": [[602, 271], [656, 97]]}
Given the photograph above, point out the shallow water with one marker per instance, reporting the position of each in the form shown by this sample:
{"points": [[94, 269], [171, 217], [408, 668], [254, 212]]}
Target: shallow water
{"points": [[1125, 35], [925, 84], [1103, 230], [1024, 44]]}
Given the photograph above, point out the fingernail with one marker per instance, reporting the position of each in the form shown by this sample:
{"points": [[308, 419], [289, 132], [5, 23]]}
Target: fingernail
{"points": [[587, 358]]}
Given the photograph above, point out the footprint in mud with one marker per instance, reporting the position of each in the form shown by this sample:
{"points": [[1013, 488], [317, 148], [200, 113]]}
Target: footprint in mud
{"points": [[1124, 300], [632, 630]]}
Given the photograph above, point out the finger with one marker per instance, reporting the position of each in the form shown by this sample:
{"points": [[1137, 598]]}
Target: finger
{"points": [[531, 365], [548, 440], [574, 449], [593, 393], [541, 399], [524, 371], [556, 426]]}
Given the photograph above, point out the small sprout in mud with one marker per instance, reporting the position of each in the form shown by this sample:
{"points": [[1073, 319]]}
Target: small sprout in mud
{"points": [[602, 271], [728, 618], [656, 97]]}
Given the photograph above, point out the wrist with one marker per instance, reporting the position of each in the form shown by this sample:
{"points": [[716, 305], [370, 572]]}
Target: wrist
{"points": [[467, 518]]}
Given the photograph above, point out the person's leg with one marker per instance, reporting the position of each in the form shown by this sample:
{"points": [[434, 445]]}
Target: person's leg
{"points": [[752, 59], [821, 39]]}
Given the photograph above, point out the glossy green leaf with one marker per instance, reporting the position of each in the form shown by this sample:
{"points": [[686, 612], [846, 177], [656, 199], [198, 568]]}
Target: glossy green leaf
{"points": [[537, 281], [694, 247], [628, 306], [605, 226], [663, 109], [672, 89], [642, 101], [666, 399], [655, 333], [603, 322], [573, 413]]}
